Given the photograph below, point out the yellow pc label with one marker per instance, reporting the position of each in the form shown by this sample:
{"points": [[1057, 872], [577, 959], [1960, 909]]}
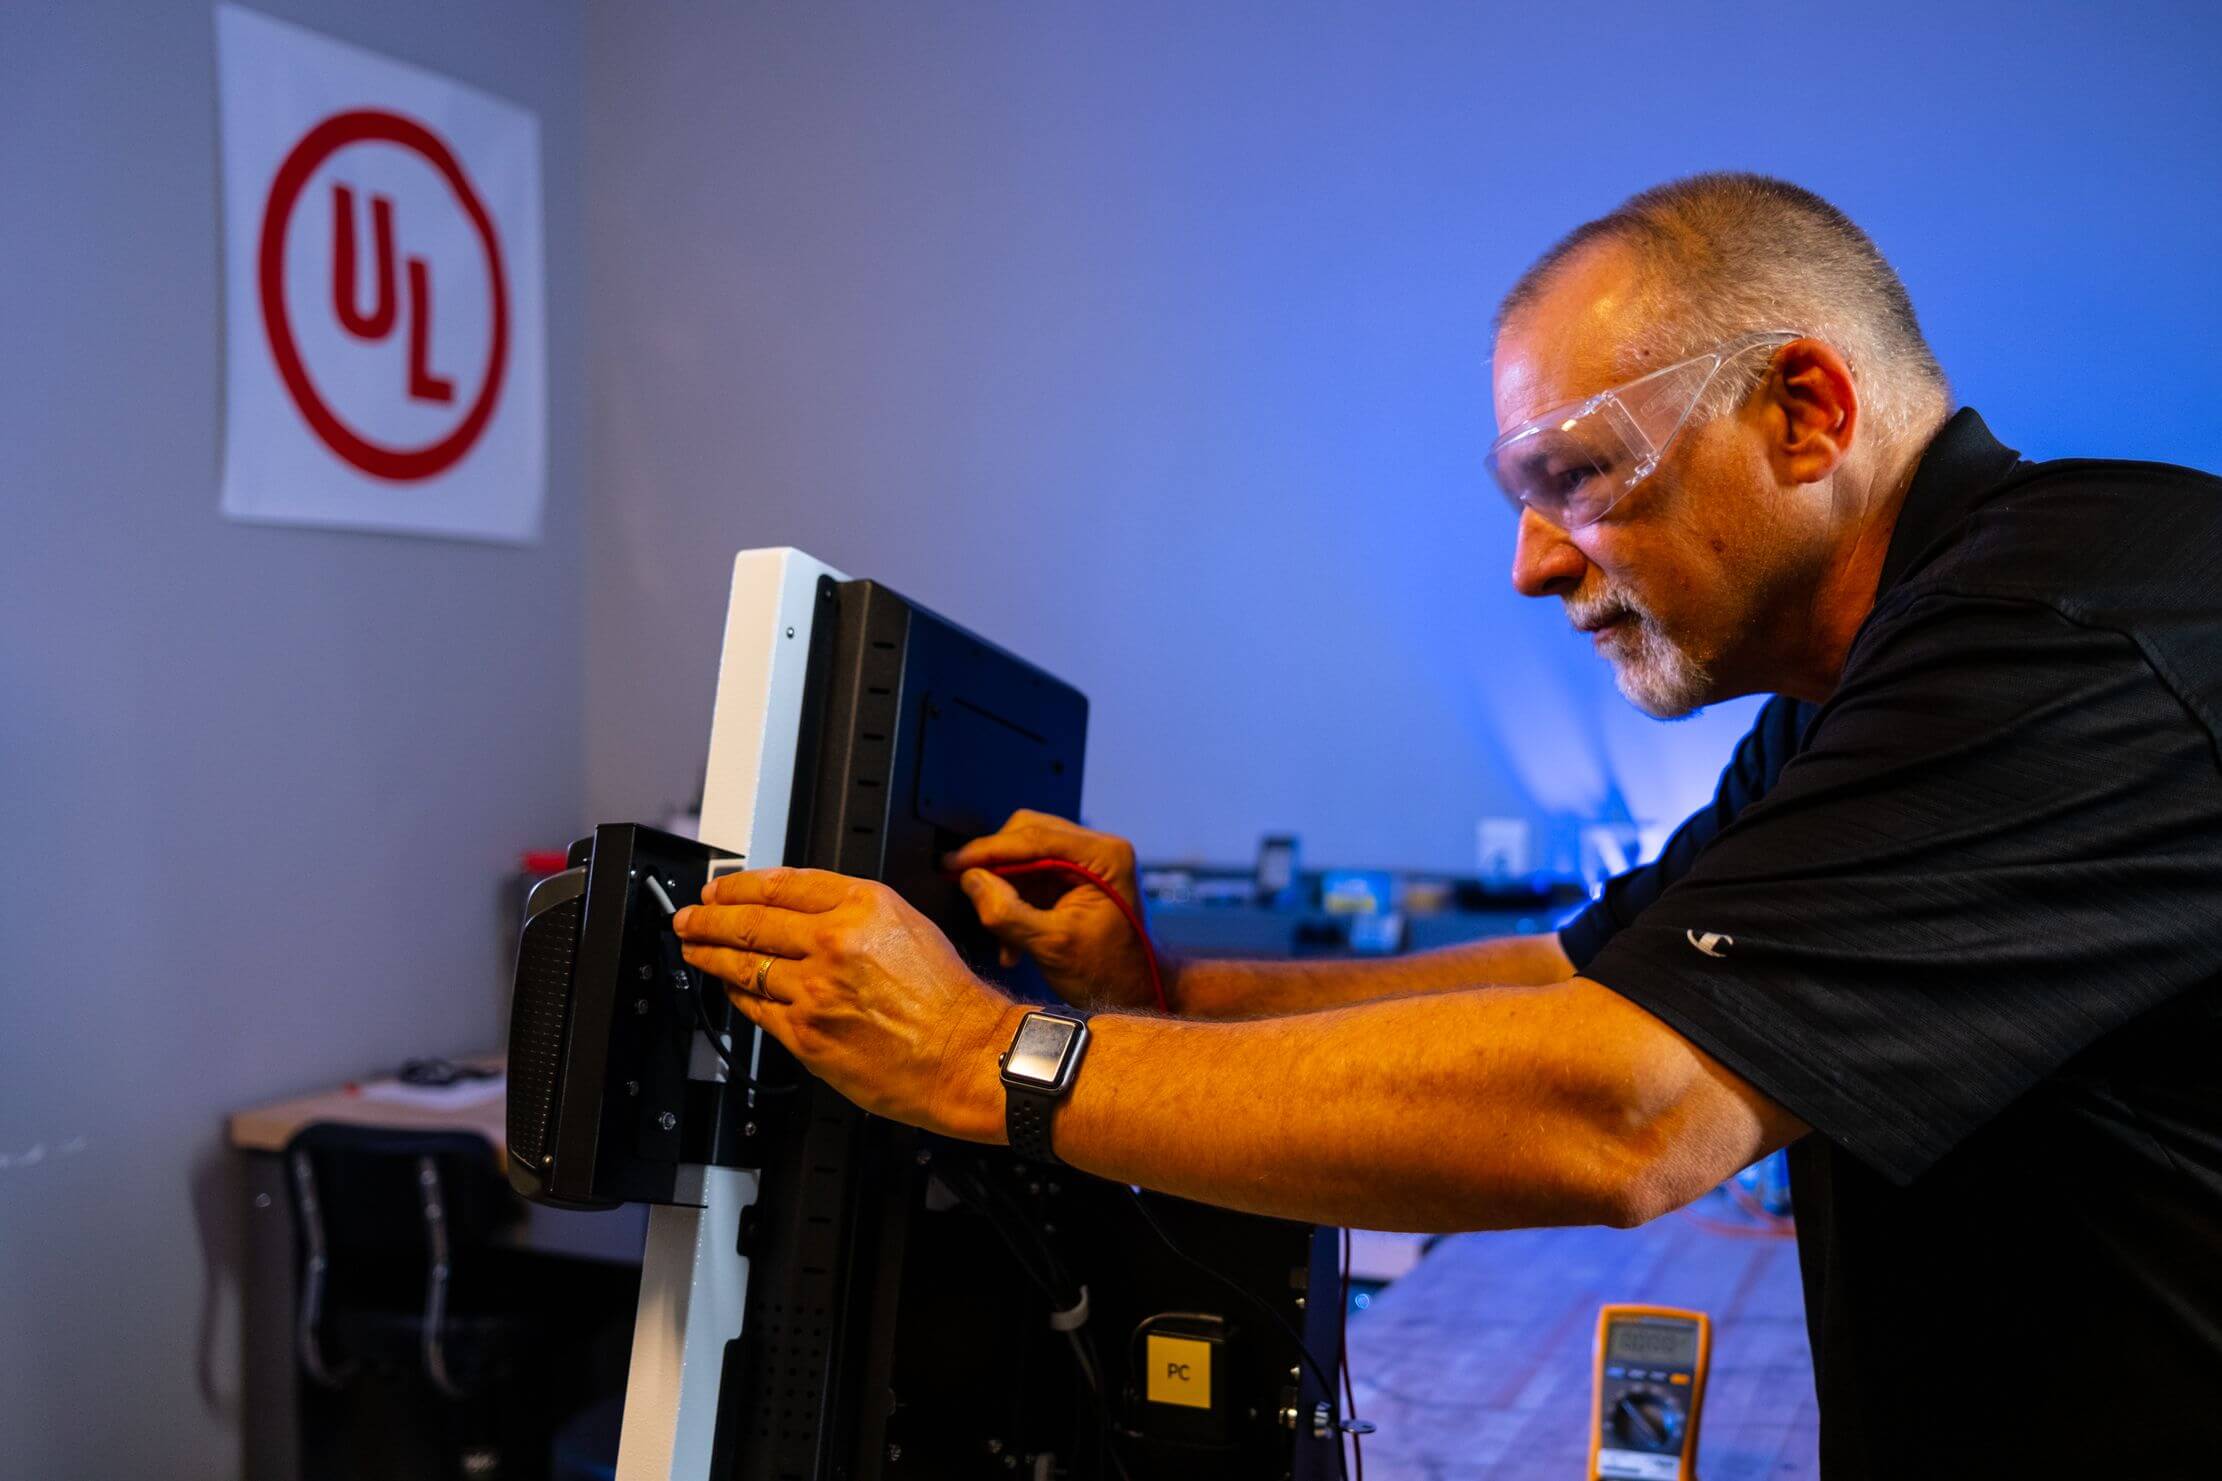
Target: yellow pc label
{"points": [[1180, 1371]]}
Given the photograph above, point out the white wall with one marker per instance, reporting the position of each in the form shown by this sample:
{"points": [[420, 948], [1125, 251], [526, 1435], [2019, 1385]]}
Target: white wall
{"points": [[258, 786]]}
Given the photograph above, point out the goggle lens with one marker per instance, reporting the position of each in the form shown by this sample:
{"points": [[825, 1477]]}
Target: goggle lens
{"points": [[1572, 465], [1570, 471]]}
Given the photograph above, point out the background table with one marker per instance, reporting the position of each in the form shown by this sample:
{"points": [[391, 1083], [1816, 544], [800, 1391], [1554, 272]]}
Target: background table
{"points": [[271, 1449]]}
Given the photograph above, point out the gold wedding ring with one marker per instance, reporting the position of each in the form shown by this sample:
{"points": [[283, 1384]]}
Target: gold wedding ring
{"points": [[763, 970]]}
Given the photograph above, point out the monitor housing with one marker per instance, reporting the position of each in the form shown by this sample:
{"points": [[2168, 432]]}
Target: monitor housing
{"points": [[828, 1294]]}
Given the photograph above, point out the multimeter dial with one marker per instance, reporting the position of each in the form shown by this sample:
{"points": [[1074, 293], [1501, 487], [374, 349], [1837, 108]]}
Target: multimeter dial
{"points": [[1649, 1421]]}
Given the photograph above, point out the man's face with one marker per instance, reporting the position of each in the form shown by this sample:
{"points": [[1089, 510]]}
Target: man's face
{"points": [[1679, 583]]}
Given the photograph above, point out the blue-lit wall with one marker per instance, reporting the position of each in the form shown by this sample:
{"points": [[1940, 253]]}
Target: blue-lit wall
{"points": [[1149, 339]]}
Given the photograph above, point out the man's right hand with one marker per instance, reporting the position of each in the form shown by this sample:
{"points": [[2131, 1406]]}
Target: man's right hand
{"points": [[1082, 943]]}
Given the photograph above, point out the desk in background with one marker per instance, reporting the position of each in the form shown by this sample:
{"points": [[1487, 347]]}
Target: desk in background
{"points": [[271, 1440], [1264, 933]]}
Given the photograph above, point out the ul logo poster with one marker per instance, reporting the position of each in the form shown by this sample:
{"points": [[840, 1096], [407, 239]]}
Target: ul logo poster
{"points": [[385, 337]]}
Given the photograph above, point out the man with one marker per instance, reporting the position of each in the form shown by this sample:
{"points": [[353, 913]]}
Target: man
{"points": [[1950, 929]]}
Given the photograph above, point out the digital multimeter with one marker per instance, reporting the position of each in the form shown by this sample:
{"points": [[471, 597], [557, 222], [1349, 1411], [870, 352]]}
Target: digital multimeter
{"points": [[1651, 1363]]}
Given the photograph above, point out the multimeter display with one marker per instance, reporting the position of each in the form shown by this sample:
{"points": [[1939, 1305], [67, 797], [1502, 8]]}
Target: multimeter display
{"points": [[1641, 1342]]}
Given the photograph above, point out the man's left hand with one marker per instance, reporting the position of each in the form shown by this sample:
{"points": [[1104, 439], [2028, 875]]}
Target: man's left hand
{"points": [[862, 989]]}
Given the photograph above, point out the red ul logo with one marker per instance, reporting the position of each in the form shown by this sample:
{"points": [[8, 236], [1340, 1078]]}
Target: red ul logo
{"points": [[295, 348], [378, 323]]}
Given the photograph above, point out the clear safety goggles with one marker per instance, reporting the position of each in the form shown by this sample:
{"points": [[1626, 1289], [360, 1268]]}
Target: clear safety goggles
{"points": [[1574, 462]]}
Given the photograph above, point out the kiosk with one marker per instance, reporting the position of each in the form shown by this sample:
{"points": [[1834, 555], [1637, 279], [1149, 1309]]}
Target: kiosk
{"points": [[827, 1295]]}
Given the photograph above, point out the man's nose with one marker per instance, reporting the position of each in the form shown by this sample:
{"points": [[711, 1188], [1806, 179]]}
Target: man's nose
{"points": [[1545, 562]]}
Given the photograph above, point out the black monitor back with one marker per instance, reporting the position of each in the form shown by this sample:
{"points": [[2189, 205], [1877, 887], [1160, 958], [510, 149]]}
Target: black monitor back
{"points": [[918, 736]]}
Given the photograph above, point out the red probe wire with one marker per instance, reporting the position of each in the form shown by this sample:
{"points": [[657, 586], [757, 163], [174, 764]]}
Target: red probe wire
{"points": [[1110, 892], [1157, 986]]}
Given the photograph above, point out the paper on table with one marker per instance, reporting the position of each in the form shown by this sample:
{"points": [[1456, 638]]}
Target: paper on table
{"points": [[456, 1097]]}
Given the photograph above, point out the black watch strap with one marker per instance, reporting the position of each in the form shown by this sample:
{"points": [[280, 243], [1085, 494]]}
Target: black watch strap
{"points": [[1026, 1114]]}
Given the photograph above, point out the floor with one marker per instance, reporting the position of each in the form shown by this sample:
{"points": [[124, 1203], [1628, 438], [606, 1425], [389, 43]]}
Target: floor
{"points": [[1476, 1364]]}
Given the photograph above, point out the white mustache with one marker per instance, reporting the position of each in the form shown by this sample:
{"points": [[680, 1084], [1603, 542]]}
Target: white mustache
{"points": [[1593, 614]]}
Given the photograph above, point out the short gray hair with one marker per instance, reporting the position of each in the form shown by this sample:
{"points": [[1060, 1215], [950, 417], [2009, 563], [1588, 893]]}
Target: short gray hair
{"points": [[1720, 255]]}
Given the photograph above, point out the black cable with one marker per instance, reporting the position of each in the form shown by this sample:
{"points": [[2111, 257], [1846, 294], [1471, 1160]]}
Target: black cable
{"points": [[1053, 1283], [697, 987], [1327, 1387], [985, 1192], [733, 1072], [717, 1040], [1296, 1340], [970, 1180], [1342, 1360]]}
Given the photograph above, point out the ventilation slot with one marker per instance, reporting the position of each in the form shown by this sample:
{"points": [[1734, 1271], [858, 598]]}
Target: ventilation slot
{"points": [[787, 1405], [545, 955]]}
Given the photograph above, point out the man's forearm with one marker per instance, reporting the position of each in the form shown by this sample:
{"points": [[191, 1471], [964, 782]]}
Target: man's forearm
{"points": [[1513, 1107], [1225, 989]]}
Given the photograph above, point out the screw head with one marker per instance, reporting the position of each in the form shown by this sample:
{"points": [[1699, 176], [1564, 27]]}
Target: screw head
{"points": [[666, 1120], [748, 1128], [640, 1007], [632, 1087], [647, 973]]}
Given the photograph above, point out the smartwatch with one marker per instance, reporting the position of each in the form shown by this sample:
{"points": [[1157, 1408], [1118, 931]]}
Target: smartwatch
{"points": [[1038, 1069]]}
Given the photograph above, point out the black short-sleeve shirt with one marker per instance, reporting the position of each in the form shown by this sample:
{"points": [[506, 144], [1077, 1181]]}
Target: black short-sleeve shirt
{"points": [[1965, 920]]}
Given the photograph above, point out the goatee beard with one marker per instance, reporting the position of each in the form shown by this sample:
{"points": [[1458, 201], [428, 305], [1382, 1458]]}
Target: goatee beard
{"points": [[1652, 672], [1657, 676]]}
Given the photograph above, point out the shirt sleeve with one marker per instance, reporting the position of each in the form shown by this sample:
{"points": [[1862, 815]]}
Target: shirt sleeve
{"points": [[2001, 842], [1750, 772]]}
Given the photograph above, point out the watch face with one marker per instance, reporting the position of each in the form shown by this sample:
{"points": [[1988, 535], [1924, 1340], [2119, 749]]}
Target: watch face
{"points": [[1039, 1051]]}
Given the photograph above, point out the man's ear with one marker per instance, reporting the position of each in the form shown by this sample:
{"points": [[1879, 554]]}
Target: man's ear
{"points": [[1813, 410]]}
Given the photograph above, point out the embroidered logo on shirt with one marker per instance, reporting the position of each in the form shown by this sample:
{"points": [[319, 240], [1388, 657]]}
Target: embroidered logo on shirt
{"points": [[1712, 943]]}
